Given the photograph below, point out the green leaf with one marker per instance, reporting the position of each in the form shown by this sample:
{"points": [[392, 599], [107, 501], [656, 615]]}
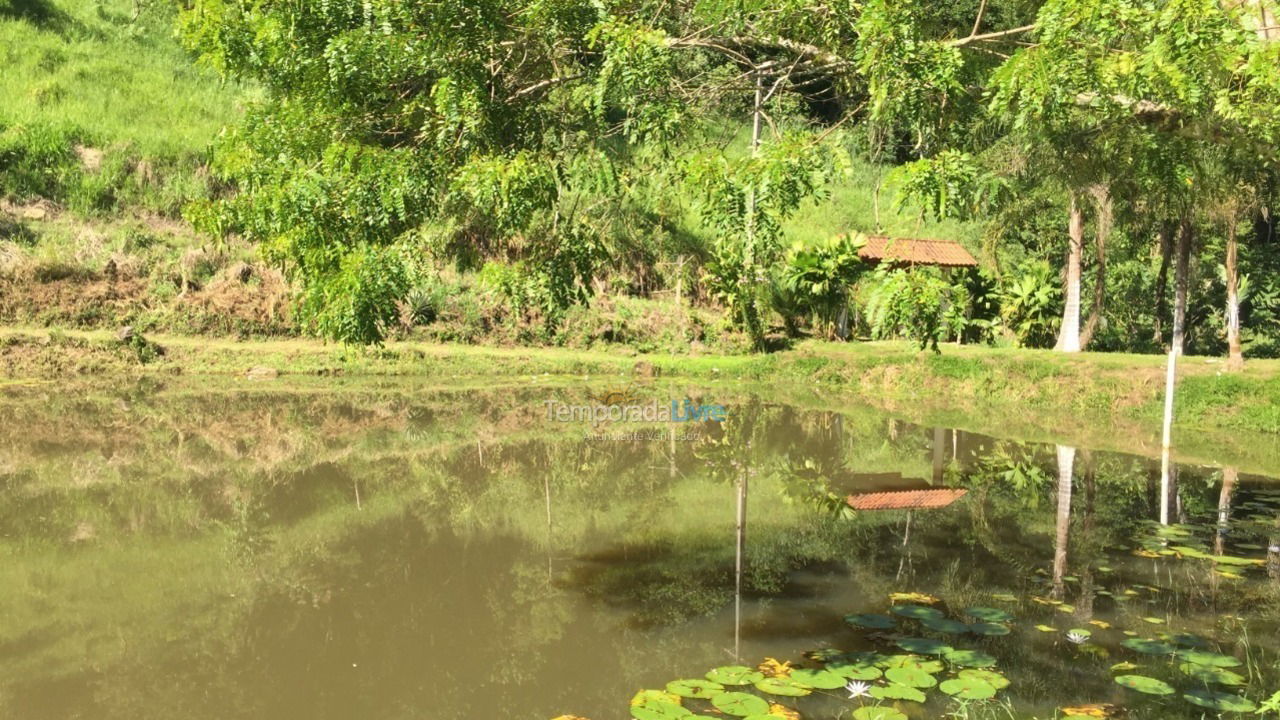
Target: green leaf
{"points": [[1225, 702], [1144, 684], [735, 675], [970, 658], [990, 677], [782, 686], [989, 614], [821, 679], [969, 688], [894, 691], [917, 612], [695, 688], [740, 704], [1147, 646], [1212, 674], [989, 629], [911, 677], [1213, 659]]}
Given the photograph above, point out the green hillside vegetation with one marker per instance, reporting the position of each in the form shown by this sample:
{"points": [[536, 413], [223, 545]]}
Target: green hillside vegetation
{"points": [[284, 171]]}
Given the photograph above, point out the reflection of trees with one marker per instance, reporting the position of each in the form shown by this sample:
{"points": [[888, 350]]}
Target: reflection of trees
{"points": [[508, 568]]}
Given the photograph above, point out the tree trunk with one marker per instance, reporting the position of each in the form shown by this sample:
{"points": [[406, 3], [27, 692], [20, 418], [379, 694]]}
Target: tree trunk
{"points": [[1066, 468], [1102, 201], [1069, 334], [1230, 476], [1235, 356], [1162, 282], [1182, 285]]}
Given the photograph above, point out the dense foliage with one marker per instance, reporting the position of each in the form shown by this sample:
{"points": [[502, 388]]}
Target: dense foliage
{"points": [[1111, 163]]}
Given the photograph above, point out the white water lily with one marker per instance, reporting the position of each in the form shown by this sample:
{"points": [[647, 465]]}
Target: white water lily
{"points": [[1077, 638], [857, 689]]}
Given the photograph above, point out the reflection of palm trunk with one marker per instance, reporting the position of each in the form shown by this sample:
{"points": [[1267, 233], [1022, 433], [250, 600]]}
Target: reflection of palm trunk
{"points": [[737, 567], [1230, 476], [1273, 553], [939, 453], [904, 558], [1066, 465]]}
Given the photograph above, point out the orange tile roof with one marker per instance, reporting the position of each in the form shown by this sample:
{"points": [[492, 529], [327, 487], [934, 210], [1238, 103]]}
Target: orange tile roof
{"points": [[905, 499], [916, 251]]}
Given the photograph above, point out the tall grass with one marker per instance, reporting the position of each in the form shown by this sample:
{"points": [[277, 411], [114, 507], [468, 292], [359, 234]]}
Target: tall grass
{"points": [[101, 110], [93, 65]]}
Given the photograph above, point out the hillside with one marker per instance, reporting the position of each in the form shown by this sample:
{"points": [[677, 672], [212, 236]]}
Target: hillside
{"points": [[106, 128]]}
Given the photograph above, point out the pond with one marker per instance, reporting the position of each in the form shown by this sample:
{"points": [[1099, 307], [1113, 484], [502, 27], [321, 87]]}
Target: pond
{"points": [[393, 550]]}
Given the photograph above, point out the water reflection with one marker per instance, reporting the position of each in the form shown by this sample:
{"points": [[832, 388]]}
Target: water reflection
{"points": [[375, 551]]}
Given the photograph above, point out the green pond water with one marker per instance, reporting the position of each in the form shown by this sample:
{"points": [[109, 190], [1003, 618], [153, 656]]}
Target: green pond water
{"points": [[390, 550]]}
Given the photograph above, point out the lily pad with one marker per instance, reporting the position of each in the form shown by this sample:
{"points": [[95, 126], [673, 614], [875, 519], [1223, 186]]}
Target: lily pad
{"points": [[1147, 646], [1187, 640], [740, 704], [854, 671], [1212, 659], [784, 686], [989, 614], [1229, 560], [735, 675], [1211, 674], [968, 688], [919, 612], [990, 677], [1224, 702], [821, 679], [659, 710], [695, 688], [970, 658], [649, 696], [871, 620], [945, 625], [924, 646], [878, 712], [1144, 684], [989, 628], [912, 661], [895, 691], [911, 677]]}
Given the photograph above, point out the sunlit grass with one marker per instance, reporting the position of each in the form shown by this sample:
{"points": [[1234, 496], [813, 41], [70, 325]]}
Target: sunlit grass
{"points": [[90, 65]]}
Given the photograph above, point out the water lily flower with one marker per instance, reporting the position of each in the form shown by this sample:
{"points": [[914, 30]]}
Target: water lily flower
{"points": [[1077, 638], [857, 689]]}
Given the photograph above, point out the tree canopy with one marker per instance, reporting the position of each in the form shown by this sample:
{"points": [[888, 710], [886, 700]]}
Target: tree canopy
{"points": [[531, 130]]}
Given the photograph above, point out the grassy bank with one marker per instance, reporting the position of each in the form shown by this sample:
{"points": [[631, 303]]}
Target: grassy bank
{"points": [[1106, 401]]}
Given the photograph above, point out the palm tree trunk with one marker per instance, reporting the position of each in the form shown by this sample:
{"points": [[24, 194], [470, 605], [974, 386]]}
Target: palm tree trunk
{"points": [[1069, 334], [1162, 282], [1102, 201], [1235, 356], [1182, 286], [1066, 467]]}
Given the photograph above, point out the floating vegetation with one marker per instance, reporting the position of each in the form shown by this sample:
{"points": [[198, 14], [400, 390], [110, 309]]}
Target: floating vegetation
{"points": [[1144, 684], [739, 704], [735, 675], [1221, 701]]}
